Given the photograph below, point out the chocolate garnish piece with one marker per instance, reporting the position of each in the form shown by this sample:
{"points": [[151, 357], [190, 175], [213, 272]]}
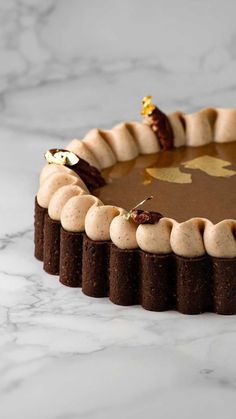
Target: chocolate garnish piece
{"points": [[145, 217], [89, 174], [159, 123]]}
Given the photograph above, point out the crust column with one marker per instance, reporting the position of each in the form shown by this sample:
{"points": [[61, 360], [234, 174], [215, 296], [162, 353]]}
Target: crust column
{"points": [[39, 215], [124, 276], [95, 267], [51, 253], [194, 281], [71, 249], [224, 285], [157, 282]]}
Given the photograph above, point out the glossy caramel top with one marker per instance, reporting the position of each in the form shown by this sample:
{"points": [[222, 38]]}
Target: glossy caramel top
{"points": [[186, 182]]}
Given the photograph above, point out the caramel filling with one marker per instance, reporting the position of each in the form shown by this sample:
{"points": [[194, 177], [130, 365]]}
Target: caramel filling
{"points": [[185, 182]]}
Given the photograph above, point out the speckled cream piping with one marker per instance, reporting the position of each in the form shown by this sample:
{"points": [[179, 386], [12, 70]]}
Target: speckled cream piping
{"points": [[69, 201], [98, 220], [103, 148]]}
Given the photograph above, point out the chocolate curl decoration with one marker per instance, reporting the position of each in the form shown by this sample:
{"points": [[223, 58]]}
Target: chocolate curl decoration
{"points": [[143, 217], [89, 174], [159, 123]]}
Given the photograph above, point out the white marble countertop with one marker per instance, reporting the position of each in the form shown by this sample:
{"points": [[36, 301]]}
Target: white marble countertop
{"points": [[67, 66]]}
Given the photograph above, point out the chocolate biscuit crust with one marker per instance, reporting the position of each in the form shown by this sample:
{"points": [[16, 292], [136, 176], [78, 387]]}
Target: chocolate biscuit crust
{"points": [[51, 250], [124, 276], [71, 251], [39, 215], [157, 282], [224, 285], [194, 284], [95, 277]]}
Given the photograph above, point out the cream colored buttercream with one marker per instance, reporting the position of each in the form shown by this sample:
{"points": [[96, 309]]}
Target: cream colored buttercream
{"points": [[198, 129], [74, 212], [220, 240], [52, 184], [80, 148], [126, 140], [144, 136], [100, 148], [176, 122], [191, 238], [49, 169], [225, 126], [98, 220], [155, 238], [123, 233], [121, 142], [60, 197], [186, 238]]}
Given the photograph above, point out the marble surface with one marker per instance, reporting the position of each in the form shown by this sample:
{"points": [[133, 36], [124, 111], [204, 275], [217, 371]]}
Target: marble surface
{"points": [[67, 66]]}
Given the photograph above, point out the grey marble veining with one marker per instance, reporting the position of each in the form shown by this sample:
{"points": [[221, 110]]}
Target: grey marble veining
{"points": [[65, 67]]}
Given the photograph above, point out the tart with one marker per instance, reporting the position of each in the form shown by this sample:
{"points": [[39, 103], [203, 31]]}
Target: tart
{"points": [[145, 213]]}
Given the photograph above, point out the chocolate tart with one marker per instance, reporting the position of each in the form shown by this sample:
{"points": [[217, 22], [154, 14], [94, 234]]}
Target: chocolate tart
{"points": [[175, 251]]}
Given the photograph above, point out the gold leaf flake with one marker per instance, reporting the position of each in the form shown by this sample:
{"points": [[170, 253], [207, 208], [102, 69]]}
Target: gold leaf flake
{"points": [[210, 165], [169, 174], [147, 181], [148, 106]]}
